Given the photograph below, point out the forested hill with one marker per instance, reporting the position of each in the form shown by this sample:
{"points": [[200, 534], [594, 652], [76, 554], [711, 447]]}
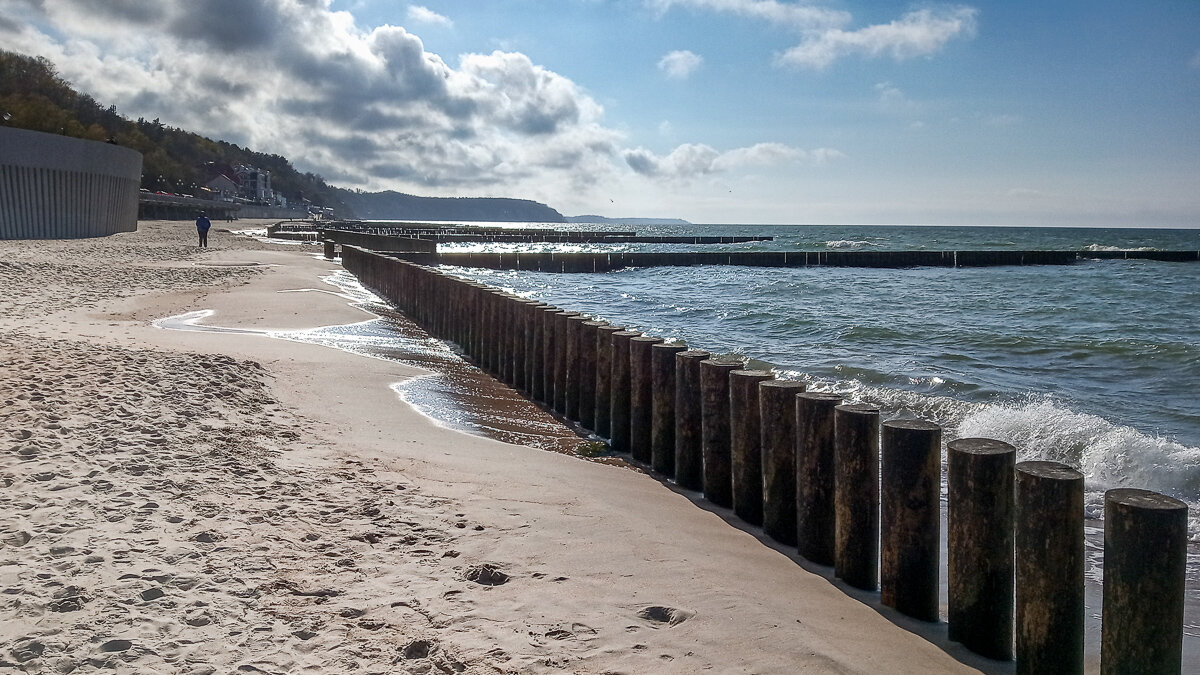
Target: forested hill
{"points": [[399, 206], [33, 96]]}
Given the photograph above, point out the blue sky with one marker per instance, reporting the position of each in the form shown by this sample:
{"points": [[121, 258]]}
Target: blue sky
{"points": [[770, 111]]}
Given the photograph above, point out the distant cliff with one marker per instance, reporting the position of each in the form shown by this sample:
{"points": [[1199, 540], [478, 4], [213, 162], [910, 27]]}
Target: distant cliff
{"points": [[399, 206]]}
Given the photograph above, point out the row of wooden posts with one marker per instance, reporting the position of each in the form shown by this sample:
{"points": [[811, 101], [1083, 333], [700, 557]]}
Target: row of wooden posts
{"points": [[828, 478]]}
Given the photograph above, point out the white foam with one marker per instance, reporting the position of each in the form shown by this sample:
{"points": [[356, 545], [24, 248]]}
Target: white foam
{"points": [[1041, 428], [847, 243], [1101, 247]]}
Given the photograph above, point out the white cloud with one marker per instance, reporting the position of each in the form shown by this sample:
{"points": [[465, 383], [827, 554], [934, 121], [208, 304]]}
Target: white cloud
{"points": [[893, 100], [693, 160], [1002, 120], [365, 108], [825, 32], [680, 64], [1195, 62], [419, 14], [797, 16], [918, 33]]}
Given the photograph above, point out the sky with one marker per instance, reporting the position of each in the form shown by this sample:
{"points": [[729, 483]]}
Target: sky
{"points": [[1014, 112]]}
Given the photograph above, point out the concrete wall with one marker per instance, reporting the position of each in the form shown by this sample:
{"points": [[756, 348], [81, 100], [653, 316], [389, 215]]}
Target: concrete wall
{"points": [[55, 187]]}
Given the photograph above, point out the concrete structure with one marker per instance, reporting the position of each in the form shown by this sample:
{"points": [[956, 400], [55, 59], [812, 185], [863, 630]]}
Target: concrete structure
{"points": [[56, 187]]}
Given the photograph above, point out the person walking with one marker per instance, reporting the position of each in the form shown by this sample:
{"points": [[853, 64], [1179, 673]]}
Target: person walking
{"points": [[202, 226]]}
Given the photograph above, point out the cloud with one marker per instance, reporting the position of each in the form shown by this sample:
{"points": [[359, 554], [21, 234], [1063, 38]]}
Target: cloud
{"points": [[892, 100], [680, 64], [367, 108], [796, 16], [919, 33], [419, 14], [1195, 62], [693, 160], [825, 33], [1002, 120]]}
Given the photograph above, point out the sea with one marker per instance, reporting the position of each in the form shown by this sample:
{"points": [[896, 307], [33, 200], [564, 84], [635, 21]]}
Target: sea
{"points": [[1096, 364]]}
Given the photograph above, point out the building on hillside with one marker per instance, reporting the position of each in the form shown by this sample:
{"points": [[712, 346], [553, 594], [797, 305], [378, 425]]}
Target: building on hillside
{"points": [[223, 188], [255, 183]]}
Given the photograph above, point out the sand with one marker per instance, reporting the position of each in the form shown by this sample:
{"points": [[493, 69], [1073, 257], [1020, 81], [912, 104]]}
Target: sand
{"points": [[204, 502]]}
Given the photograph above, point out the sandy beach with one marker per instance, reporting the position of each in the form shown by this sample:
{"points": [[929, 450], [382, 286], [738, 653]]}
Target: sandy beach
{"points": [[218, 502]]}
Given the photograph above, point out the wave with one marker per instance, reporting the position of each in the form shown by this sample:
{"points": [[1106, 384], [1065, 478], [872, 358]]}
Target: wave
{"points": [[1041, 428], [1102, 247], [848, 243]]}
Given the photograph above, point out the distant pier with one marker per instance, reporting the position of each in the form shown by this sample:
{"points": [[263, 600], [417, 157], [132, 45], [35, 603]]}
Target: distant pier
{"points": [[351, 232], [607, 262]]}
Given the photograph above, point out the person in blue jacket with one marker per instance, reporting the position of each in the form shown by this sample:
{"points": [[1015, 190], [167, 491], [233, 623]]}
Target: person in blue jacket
{"points": [[202, 226]]}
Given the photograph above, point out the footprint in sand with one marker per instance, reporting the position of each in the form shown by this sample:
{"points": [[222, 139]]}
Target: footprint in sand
{"points": [[486, 575], [668, 615]]}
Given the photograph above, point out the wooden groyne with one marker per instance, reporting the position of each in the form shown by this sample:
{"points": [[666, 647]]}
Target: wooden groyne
{"points": [[527, 236], [342, 232], [767, 449], [607, 262]]}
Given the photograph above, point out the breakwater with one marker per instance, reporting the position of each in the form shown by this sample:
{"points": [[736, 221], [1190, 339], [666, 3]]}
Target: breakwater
{"points": [[775, 463], [607, 262], [344, 231]]}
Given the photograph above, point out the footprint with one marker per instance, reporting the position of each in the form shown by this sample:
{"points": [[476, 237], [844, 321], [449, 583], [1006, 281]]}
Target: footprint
{"points": [[486, 575], [668, 615], [418, 649], [18, 538]]}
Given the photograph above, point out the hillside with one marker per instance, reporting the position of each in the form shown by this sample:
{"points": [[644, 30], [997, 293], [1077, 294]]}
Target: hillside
{"points": [[398, 206], [33, 96]]}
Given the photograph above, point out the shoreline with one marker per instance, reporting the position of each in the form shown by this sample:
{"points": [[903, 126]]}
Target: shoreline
{"points": [[185, 501]]}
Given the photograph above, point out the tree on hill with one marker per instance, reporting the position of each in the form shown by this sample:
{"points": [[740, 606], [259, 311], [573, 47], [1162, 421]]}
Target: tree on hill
{"points": [[33, 96]]}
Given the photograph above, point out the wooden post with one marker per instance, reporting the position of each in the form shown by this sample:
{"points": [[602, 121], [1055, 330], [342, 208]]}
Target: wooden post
{"points": [[745, 436], [588, 342], [910, 517], [689, 458], [815, 471], [1049, 569], [549, 348], [1145, 554], [856, 495], [979, 545], [662, 414], [777, 435], [641, 396], [714, 430], [560, 360], [621, 390], [572, 379], [604, 359]]}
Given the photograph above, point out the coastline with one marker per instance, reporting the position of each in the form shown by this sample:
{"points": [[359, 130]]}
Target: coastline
{"points": [[185, 501]]}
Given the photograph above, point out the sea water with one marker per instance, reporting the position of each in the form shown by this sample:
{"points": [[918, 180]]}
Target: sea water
{"points": [[1094, 364]]}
